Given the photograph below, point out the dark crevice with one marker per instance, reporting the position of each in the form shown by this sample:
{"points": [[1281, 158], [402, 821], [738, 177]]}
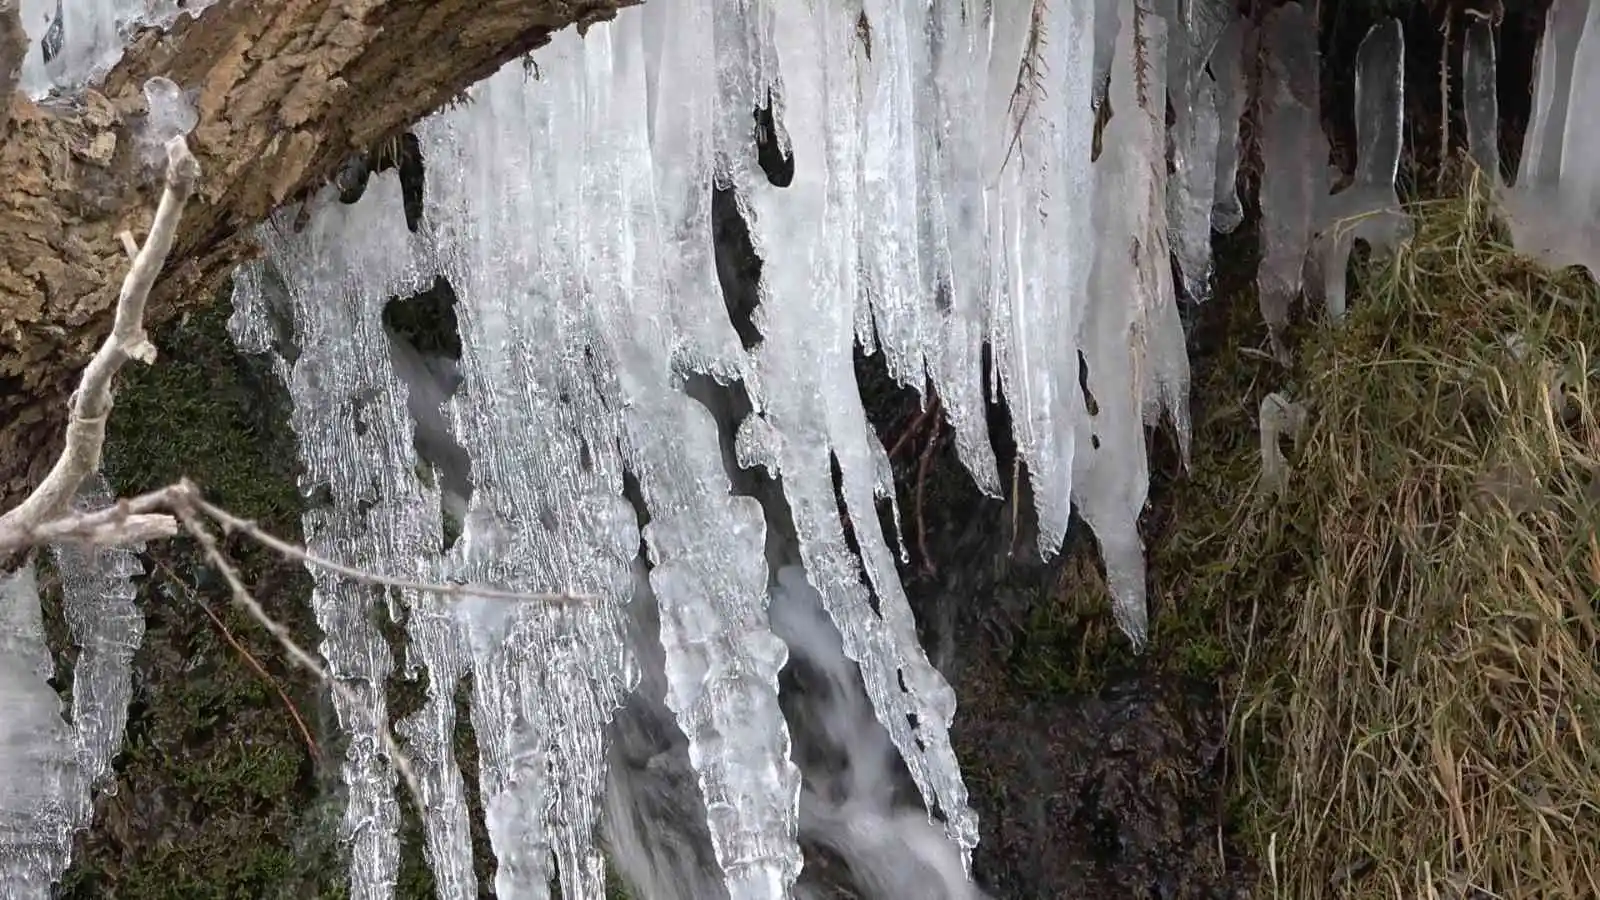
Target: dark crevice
{"points": [[1089, 402], [279, 308], [466, 754], [425, 349], [771, 139], [402, 152], [738, 266]]}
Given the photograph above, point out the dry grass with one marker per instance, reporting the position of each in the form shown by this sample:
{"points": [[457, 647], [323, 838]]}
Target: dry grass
{"points": [[1419, 715]]}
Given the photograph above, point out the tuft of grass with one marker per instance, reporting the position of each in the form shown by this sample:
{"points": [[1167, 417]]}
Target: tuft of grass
{"points": [[1416, 696]]}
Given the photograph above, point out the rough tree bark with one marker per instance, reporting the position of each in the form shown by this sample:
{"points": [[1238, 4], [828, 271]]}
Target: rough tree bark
{"points": [[286, 90]]}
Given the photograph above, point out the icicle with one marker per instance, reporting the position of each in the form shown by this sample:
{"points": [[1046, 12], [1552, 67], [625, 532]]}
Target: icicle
{"points": [[48, 768], [680, 45], [107, 626], [356, 450], [1480, 101], [1279, 418], [1043, 176], [709, 578], [1368, 209], [955, 239], [1196, 138], [1105, 45], [891, 35], [1194, 28], [1551, 209], [1227, 65], [44, 794], [532, 243], [1294, 156], [75, 42], [811, 408], [1131, 331]]}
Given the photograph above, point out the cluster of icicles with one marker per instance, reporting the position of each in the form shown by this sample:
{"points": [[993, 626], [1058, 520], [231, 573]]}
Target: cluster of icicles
{"points": [[949, 192]]}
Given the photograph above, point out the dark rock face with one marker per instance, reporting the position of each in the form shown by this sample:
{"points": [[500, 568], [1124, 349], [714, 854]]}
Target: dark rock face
{"points": [[1094, 772], [1117, 793]]}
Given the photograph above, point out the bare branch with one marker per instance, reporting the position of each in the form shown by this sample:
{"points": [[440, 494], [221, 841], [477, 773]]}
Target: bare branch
{"points": [[242, 596], [91, 403], [123, 522], [179, 584], [137, 519], [230, 522]]}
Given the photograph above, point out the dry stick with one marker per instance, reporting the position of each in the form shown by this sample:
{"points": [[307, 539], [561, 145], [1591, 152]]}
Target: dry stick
{"points": [[249, 658], [241, 596], [1444, 92], [90, 404], [231, 523], [124, 521]]}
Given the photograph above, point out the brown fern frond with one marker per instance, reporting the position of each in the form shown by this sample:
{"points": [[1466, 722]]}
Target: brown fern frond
{"points": [[1031, 72], [1141, 64]]}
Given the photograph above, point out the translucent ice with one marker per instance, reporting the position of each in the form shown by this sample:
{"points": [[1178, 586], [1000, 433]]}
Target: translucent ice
{"points": [[107, 627], [170, 114], [48, 767], [1194, 28], [1227, 68], [74, 42], [1294, 156], [43, 790], [1368, 209], [809, 404], [1480, 100], [1132, 342], [1552, 208]]}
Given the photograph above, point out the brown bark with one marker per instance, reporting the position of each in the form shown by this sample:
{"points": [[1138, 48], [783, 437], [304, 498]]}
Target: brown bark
{"points": [[287, 89]]}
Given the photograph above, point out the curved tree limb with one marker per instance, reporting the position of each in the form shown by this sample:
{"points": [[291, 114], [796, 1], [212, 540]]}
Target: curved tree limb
{"points": [[91, 403], [285, 89]]}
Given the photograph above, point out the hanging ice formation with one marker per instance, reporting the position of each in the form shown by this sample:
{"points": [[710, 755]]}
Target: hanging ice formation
{"points": [[587, 293], [1368, 208], [1552, 208], [1298, 214], [74, 42], [928, 181], [49, 766]]}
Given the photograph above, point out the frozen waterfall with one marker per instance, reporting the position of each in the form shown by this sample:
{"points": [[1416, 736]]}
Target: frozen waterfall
{"points": [[925, 179], [916, 189]]}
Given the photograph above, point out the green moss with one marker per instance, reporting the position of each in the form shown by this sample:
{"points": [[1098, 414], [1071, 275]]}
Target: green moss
{"points": [[218, 793]]}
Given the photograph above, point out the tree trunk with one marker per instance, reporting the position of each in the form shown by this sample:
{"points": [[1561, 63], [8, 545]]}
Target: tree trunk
{"points": [[287, 89]]}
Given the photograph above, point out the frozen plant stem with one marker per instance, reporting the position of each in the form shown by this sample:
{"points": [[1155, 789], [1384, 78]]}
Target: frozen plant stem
{"points": [[90, 405]]}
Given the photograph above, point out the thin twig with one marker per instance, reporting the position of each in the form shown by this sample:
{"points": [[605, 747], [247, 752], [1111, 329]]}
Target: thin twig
{"points": [[134, 519], [249, 658], [923, 465], [241, 596], [231, 523]]}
